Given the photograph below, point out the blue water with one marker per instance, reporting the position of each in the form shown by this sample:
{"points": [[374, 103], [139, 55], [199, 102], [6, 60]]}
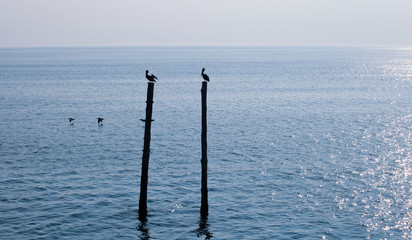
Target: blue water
{"points": [[303, 143]]}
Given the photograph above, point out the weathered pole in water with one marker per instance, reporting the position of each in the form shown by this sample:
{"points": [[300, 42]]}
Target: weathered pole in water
{"points": [[204, 207], [146, 153]]}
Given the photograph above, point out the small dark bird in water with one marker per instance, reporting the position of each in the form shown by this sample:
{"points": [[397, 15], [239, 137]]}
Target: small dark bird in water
{"points": [[100, 121], [71, 119], [150, 77], [205, 77]]}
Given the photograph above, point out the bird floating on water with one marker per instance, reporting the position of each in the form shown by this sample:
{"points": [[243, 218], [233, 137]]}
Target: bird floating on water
{"points": [[71, 120], [205, 76], [150, 77], [100, 121]]}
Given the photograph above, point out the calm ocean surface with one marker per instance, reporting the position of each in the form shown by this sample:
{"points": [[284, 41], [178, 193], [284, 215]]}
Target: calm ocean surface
{"points": [[303, 143]]}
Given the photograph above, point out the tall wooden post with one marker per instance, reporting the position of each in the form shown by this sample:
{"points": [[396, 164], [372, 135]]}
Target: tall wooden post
{"points": [[146, 153], [204, 207]]}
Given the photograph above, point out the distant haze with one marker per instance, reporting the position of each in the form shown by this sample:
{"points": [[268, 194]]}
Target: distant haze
{"points": [[30, 23]]}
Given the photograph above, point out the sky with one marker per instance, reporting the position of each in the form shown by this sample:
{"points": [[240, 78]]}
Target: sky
{"points": [[53, 23]]}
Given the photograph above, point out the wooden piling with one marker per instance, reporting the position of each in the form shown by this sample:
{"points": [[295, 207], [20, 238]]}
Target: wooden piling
{"points": [[204, 207], [146, 153]]}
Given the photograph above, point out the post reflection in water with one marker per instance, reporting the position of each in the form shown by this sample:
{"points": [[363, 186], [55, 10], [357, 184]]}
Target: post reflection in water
{"points": [[143, 230], [203, 229]]}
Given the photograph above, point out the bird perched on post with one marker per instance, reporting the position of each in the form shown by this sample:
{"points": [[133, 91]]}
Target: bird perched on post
{"points": [[100, 121], [144, 120], [205, 77], [150, 77], [71, 120]]}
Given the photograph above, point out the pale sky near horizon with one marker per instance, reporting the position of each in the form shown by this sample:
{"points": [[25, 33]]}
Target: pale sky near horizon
{"points": [[31, 23]]}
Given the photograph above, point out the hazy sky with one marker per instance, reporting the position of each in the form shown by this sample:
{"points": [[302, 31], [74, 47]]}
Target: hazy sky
{"points": [[206, 22]]}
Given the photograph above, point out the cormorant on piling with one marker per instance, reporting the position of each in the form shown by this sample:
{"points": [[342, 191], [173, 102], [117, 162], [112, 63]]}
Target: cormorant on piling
{"points": [[100, 121], [205, 77], [144, 120], [150, 77]]}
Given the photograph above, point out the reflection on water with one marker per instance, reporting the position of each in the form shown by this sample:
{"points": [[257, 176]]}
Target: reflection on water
{"points": [[203, 229], [143, 230]]}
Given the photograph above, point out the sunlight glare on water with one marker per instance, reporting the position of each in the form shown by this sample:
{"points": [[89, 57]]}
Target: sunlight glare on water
{"points": [[390, 178], [303, 143]]}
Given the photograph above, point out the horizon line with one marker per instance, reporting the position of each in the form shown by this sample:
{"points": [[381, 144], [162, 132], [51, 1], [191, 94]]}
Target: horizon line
{"points": [[207, 46]]}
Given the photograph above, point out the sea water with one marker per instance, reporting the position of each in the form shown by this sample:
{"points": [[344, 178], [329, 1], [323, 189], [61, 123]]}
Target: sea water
{"points": [[303, 143]]}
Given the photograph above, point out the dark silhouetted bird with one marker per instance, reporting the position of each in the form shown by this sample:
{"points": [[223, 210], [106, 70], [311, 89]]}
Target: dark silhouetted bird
{"points": [[144, 120], [70, 120], [100, 121], [205, 77], [151, 77]]}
